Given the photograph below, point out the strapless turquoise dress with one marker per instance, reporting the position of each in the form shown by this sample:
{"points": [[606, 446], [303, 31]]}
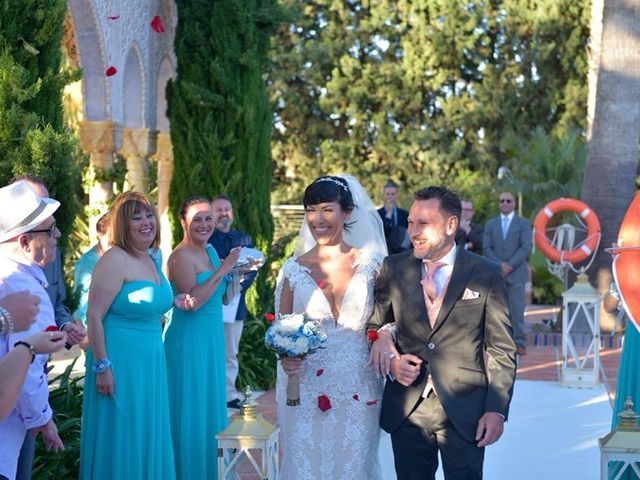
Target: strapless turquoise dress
{"points": [[128, 436], [194, 345], [628, 382]]}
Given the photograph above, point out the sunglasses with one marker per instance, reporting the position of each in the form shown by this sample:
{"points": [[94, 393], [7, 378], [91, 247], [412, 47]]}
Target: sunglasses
{"points": [[49, 231], [505, 200]]}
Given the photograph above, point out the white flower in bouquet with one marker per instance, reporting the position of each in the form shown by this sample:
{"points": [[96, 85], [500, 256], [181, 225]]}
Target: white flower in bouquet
{"points": [[294, 335]]}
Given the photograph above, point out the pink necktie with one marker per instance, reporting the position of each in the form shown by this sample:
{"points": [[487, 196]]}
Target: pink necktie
{"points": [[428, 283]]}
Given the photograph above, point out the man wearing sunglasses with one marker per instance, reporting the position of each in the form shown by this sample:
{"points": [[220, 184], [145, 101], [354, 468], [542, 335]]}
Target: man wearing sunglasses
{"points": [[508, 240]]}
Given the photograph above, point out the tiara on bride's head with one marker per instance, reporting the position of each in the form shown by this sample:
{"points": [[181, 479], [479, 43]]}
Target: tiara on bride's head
{"points": [[331, 179]]}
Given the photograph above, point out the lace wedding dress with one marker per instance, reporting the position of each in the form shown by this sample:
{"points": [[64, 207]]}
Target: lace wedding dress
{"points": [[342, 442]]}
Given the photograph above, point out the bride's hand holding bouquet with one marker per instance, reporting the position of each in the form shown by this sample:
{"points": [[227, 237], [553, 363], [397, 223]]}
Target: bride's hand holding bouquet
{"points": [[292, 337]]}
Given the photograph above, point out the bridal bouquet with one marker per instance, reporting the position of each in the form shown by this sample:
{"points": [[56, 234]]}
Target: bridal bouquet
{"points": [[294, 335]]}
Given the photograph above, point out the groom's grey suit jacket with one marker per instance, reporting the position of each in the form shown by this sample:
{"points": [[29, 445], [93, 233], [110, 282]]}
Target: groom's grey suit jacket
{"points": [[453, 351]]}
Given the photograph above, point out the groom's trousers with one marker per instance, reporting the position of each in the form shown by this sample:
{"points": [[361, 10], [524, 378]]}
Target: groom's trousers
{"points": [[425, 432]]}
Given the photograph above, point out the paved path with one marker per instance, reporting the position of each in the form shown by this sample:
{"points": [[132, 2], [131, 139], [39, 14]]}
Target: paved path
{"points": [[553, 431]]}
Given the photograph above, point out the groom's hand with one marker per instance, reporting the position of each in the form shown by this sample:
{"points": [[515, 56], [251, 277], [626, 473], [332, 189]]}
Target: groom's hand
{"points": [[382, 351], [405, 368], [490, 428]]}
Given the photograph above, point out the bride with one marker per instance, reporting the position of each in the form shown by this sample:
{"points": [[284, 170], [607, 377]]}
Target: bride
{"points": [[330, 278]]}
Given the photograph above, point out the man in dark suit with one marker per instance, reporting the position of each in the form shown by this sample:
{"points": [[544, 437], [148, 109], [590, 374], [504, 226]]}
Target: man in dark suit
{"points": [[394, 219], [440, 312], [469, 234], [508, 241]]}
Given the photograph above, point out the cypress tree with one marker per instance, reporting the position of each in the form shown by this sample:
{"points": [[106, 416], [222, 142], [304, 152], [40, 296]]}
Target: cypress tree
{"points": [[33, 137], [218, 109], [221, 129]]}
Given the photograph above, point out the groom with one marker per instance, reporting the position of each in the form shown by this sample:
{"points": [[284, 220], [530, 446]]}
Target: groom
{"points": [[445, 340]]}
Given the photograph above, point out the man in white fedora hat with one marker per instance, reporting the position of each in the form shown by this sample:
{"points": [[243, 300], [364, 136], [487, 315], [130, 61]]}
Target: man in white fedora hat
{"points": [[28, 242], [57, 291]]}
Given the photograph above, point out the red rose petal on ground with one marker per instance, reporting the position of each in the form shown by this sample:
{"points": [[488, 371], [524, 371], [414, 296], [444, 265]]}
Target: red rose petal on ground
{"points": [[371, 402], [324, 403], [156, 24], [356, 397], [319, 372], [51, 328], [321, 283], [113, 17], [269, 317], [111, 71]]}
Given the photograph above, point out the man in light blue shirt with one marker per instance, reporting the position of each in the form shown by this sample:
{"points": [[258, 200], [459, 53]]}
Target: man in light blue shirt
{"points": [[28, 242], [508, 241]]}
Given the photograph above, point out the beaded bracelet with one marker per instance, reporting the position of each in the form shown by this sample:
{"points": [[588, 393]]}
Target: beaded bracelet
{"points": [[6, 321]]}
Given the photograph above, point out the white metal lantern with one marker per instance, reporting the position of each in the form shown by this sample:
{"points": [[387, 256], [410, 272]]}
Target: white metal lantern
{"points": [[620, 449], [580, 335], [248, 437]]}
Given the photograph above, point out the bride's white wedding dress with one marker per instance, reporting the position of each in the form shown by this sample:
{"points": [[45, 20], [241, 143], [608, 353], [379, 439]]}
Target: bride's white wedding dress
{"points": [[342, 442]]}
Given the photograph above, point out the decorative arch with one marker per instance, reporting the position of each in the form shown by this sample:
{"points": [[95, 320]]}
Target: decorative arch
{"points": [[134, 89], [91, 55], [165, 73]]}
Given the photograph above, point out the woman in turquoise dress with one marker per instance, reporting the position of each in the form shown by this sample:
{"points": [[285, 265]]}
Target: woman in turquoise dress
{"points": [[194, 344], [628, 382], [83, 269], [125, 419]]}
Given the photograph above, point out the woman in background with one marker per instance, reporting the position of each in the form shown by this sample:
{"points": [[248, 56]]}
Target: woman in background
{"points": [[194, 344], [83, 270], [125, 416]]}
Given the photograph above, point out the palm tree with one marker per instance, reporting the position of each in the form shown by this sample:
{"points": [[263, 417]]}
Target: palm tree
{"points": [[546, 166], [614, 127]]}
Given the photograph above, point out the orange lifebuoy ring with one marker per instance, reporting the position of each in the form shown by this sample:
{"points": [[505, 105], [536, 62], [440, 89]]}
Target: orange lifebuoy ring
{"points": [[566, 205]]}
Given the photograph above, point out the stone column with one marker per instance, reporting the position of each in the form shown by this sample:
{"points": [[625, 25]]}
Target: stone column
{"points": [[137, 145], [164, 157], [97, 140]]}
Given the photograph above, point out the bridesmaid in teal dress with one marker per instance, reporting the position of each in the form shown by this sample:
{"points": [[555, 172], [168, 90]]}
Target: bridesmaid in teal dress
{"points": [[194, 344], [628, 382], [125, 419]]}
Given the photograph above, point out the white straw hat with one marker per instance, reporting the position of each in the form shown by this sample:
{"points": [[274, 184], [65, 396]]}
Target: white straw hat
{"points": [[21, 210]]}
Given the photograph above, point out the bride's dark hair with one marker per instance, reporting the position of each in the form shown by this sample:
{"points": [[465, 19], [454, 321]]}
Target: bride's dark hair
{"points": [[329, 189]]}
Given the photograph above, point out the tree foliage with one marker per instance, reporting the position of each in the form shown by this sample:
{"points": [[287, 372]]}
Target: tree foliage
{"points": [[221, 128], [421, 91], [218, 109], [545, 167], [33, 138]]}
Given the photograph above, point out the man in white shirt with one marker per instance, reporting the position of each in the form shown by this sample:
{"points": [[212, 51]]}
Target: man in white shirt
{"points": [[28, 242]]}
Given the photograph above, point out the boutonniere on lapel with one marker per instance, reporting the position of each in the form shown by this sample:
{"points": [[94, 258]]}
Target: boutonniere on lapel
{"points": [[470, 294]]}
